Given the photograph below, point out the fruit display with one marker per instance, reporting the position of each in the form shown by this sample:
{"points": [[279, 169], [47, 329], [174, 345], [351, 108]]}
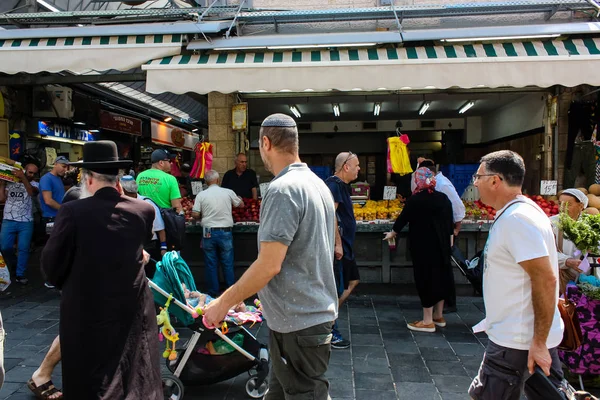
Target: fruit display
{"points": [[187, 203], [250, 212], [476, 210], [378, 210], [550, 207]]}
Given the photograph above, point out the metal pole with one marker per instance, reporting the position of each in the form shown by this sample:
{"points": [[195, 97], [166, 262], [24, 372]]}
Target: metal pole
{"points": [[555, 142], [32, 4], [237, 14]]}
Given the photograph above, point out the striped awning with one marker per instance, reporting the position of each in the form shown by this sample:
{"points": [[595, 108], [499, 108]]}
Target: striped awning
{"points": [[501, 64], [80, 54]]}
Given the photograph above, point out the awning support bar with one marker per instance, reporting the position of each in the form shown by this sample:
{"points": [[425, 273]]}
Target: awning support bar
{"points": [[237, 14]]}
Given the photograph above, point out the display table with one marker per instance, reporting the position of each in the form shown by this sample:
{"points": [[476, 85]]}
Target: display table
{"points": [[377, 263]]}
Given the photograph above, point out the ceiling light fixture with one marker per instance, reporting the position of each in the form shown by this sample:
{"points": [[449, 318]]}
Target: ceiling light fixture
{"points": [[336, 110], [195, 130], [424, 107], [295, 111], [78, 123], [93, 131], [481, 39], [466, 107], [167, 119], [48, 6], [376, 109]]}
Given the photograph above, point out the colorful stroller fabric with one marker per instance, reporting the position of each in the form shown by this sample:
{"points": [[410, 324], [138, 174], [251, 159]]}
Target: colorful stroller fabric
{"points": [[170, 273]]}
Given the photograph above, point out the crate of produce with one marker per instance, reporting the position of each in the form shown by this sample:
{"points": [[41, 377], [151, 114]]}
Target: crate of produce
{"points": [[321, 172], [361, 189], [460, 175]]}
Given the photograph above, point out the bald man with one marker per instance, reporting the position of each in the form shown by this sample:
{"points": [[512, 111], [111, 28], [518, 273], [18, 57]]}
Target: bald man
{"points": [[242, 180]]}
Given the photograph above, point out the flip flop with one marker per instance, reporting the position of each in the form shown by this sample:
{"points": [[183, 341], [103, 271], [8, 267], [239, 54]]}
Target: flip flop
{"points": [[45, 391]]}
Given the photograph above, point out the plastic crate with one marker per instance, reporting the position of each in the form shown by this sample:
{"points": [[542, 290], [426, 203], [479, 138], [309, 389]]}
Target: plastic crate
{"points": [[460, 175], [321, 172]]}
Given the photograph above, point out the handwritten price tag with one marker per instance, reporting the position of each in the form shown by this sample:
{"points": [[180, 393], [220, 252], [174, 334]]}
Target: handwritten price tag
{"points": [[389, 192], [548, 188], [196, 188]]}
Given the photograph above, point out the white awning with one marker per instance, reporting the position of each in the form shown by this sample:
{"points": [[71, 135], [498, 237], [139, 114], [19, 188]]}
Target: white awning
{"points": [[81, 54], [509, 64]]}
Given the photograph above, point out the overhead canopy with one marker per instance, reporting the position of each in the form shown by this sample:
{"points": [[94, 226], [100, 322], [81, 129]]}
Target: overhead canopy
{"points": [[514, 64], [80, 54]]}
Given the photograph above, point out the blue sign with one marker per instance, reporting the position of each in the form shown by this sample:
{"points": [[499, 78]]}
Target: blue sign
{"points": [[64, 131]]}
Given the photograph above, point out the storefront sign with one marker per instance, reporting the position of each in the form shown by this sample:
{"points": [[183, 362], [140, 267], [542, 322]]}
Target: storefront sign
{"points": [[50, 129], [120, 123], [15, 143], [239, 116], [170, 135], [548, 188]]}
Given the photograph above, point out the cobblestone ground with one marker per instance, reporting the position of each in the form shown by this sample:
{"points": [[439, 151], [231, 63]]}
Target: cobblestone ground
{"points": [[385, 361]]}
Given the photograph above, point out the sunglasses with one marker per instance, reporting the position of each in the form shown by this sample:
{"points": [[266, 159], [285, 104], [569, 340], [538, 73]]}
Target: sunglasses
{"points": [[350, 156]]}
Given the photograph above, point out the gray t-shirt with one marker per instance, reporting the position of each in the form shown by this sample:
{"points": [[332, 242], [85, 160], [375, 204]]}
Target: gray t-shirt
{"points": [[298, 211]]}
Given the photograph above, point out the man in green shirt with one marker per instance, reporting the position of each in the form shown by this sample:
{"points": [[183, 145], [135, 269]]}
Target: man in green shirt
{"points": [[158, 184]]}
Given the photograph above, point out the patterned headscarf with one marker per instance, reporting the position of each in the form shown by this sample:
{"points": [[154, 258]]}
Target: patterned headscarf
{"points": [[425, 180]]}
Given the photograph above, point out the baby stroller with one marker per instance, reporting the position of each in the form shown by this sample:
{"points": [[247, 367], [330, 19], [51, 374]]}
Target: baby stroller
{"points": [[190, 364]]}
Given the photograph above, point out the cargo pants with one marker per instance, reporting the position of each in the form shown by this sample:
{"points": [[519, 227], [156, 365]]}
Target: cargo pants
{"points": [[299, 362]]}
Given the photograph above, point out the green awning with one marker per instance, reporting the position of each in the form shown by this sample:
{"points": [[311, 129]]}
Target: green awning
{"points": [[81, 54], [499, 64]]}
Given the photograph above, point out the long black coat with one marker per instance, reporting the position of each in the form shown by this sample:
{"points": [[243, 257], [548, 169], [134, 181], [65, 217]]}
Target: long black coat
{"points": [[108, 331], [430, 225]]}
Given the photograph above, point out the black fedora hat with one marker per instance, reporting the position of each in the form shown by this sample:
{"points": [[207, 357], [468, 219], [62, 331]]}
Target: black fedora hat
{"points": [[101, 155]]}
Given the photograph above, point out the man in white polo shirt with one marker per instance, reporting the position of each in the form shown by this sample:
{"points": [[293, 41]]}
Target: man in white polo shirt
{"points": [[213, 205], [520, 285]]}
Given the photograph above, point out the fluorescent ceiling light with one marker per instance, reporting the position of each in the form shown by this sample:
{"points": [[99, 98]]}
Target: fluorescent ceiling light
{"points": [[424, 107], [377, 109], [64, 140], [167, 119], [466, 107], [336, 110], [481, 39], [295, 111], [195, 130], [48, 6], [78, 123], [93, 131]]}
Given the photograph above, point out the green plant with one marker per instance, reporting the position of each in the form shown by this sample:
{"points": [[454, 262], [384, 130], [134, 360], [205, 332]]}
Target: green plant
{"points": [[583, 232]]}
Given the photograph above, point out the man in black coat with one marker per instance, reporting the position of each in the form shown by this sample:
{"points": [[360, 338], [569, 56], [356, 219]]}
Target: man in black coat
{"points": [[95, 256]]}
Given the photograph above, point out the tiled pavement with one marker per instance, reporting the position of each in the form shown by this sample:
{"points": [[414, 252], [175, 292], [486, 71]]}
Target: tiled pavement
{"points": [[385, 361]]}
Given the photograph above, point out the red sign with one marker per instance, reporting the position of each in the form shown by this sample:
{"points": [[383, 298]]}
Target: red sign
{"points": [[120, 123]]}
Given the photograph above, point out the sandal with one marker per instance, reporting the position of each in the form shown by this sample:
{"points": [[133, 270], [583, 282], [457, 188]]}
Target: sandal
{"points": [[45, 391]]}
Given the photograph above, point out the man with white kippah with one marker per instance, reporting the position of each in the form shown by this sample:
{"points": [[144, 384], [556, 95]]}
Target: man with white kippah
{"points": [[294, 270], [574, 201]]}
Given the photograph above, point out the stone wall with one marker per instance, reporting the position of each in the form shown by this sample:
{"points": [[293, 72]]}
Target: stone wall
{"points": [[220, 133]]}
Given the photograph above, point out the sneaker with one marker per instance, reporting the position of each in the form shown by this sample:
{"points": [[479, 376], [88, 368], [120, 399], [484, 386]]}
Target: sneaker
{"points": [[441, 322], [338, 342], [419, 326], [22, 280], [49, 286]]}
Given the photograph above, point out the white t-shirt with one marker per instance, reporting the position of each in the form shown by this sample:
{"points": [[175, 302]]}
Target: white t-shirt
{"points": [[159, 223], [19, 205], [215, 205], [520, 233]]}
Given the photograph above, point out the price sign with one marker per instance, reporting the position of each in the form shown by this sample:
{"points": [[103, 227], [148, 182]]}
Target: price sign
{"points": [[196, 187], [548, 188], [389, 193]]}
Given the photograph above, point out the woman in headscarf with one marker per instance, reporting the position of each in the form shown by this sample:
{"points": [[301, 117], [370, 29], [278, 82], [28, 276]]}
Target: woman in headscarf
{"points": [[429, 215], [574, 201]]}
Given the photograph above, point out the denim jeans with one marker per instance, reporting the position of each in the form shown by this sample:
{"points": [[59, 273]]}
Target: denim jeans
{"points": [[218, 248], [10, 231]]}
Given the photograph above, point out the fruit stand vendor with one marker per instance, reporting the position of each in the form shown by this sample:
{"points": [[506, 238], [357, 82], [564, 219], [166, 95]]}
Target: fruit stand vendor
{"points": [[241, 179]]}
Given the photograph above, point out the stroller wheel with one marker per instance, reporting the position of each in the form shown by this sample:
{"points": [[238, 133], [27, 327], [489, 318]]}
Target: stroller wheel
{"points": [[254, 390], [172, 387]]}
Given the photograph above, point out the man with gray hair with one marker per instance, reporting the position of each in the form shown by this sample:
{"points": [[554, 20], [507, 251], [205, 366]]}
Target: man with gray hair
{"points": [[213, 206], [157, 247], [293, 274]]}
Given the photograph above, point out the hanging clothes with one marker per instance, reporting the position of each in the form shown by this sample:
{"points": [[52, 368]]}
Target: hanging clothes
{"points": [[203, 162], [398, 160]]}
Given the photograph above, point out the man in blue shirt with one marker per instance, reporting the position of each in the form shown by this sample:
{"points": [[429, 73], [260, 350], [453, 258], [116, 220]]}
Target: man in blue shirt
{"points": [[53, 189], [346, 270]]}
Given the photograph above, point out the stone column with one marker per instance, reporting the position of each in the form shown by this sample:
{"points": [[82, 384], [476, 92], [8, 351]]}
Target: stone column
{"points": [[220, 133], [564, 103]]}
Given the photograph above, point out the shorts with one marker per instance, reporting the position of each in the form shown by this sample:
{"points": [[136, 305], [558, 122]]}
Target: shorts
{"points": [[503, 374], [350, 272]]}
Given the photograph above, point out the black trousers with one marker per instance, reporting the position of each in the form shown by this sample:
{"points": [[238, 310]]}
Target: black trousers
{"points": [[153, 248]]}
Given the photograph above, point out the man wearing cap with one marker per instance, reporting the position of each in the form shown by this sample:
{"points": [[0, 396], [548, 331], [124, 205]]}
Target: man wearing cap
{"points": [[575, 201], [95, 256], [158, 184], [53, 189], [293, 273]]}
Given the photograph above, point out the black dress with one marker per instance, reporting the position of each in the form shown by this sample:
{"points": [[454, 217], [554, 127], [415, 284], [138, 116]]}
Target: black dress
{"points": [[430, 220]]}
